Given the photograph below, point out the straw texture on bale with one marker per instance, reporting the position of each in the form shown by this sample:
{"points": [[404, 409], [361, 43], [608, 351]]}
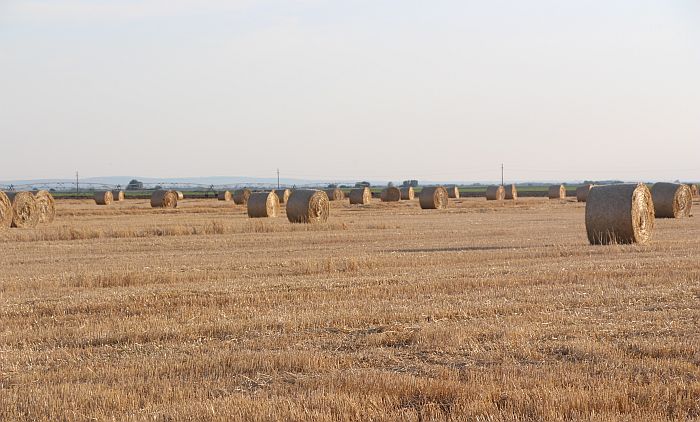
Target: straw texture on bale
{"points": [[164, 199], [46, 206], [104, 197], [308, 206], [557, 192], [335, 194], [117, 195], [619, 214], [240, 196], [282, 195], [582, 192], [511, 192], [433, 198], [180, 195], [263, 204], [694, 189], [407, 193], [224, 196], [25, 213], [671, 200], [5, 211], [360, 196], [495, 193], [391, 194], [453, 192]]}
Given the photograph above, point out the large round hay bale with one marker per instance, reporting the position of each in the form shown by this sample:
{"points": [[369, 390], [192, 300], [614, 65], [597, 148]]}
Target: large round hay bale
{"points": [[511, 192], [282, 194], [46, 206], [694, 189], [104, 197], [263, 204], [671, 200], [180, 195], [164, 199], [240, 196], [117, 195], [224, 196], [391, 194], [557, 192], [361, 196], [407, 193], [619, 214], [582, 192], [495, 193], [308, 206], [24, 209], [433, 198], [452, 192], [335, 194], [5, 211]]}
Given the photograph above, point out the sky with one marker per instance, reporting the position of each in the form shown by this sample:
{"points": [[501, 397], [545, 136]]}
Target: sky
{"points": [[443, 90]]}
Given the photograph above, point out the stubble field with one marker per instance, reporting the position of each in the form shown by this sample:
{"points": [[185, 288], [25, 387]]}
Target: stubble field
{"points": [[484, 311]]}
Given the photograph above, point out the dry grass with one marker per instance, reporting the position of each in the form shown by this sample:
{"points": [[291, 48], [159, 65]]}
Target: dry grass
{"points": [[482, 311]]}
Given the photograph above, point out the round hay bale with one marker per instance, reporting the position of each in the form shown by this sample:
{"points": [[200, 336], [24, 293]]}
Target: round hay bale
{"points": [[335, 194], [433, 198], [495, 193], [224, 196], [104, 197], [263, 204], [117, 195], [5, 211], [557, 192], [361, 196], [25, 213], [308, 206], [511, 192], [164, 199], [694, 189], [407, 193], [180, 195], [453, 192], [582, 192], [391, 194], [282, 194], [619, 214], [671, 200], [240, 196], [46, 206]]}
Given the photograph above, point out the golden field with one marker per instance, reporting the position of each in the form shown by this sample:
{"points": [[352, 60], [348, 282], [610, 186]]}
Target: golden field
{"points": [[484, 311]]}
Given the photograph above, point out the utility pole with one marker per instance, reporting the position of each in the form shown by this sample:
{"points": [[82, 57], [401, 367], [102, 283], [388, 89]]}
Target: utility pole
{"points": [[278, 178], [502, 184], [77, 184]]}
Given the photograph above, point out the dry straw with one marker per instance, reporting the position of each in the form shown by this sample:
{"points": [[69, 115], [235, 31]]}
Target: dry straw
{"points": [[263, 204], [433, 198], [180, 195], [391, 194], [117, 195], [5, 211], [453, 192], [308, 206], [224, 196], [495, 193], [335, 194], [282, 195], [694, 189], [407, 193], [46, 206], [104, 197], [361, 196], [511, 192], [164, 199], [240, 196], [557, 192], [619, 214], [582, 192], [25, 213], [671, 200]]}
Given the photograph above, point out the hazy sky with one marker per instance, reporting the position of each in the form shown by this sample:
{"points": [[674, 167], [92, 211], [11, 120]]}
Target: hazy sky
{"points": [[351, 89]]}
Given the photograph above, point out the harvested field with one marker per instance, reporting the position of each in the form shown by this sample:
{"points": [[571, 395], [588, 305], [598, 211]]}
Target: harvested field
{"points": [[481, 311]]}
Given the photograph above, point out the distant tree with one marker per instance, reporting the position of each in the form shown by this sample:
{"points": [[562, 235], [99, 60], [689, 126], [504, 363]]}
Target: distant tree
{"points": [[363, 185], [390, 184], [159, 187], [134, 185]]}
